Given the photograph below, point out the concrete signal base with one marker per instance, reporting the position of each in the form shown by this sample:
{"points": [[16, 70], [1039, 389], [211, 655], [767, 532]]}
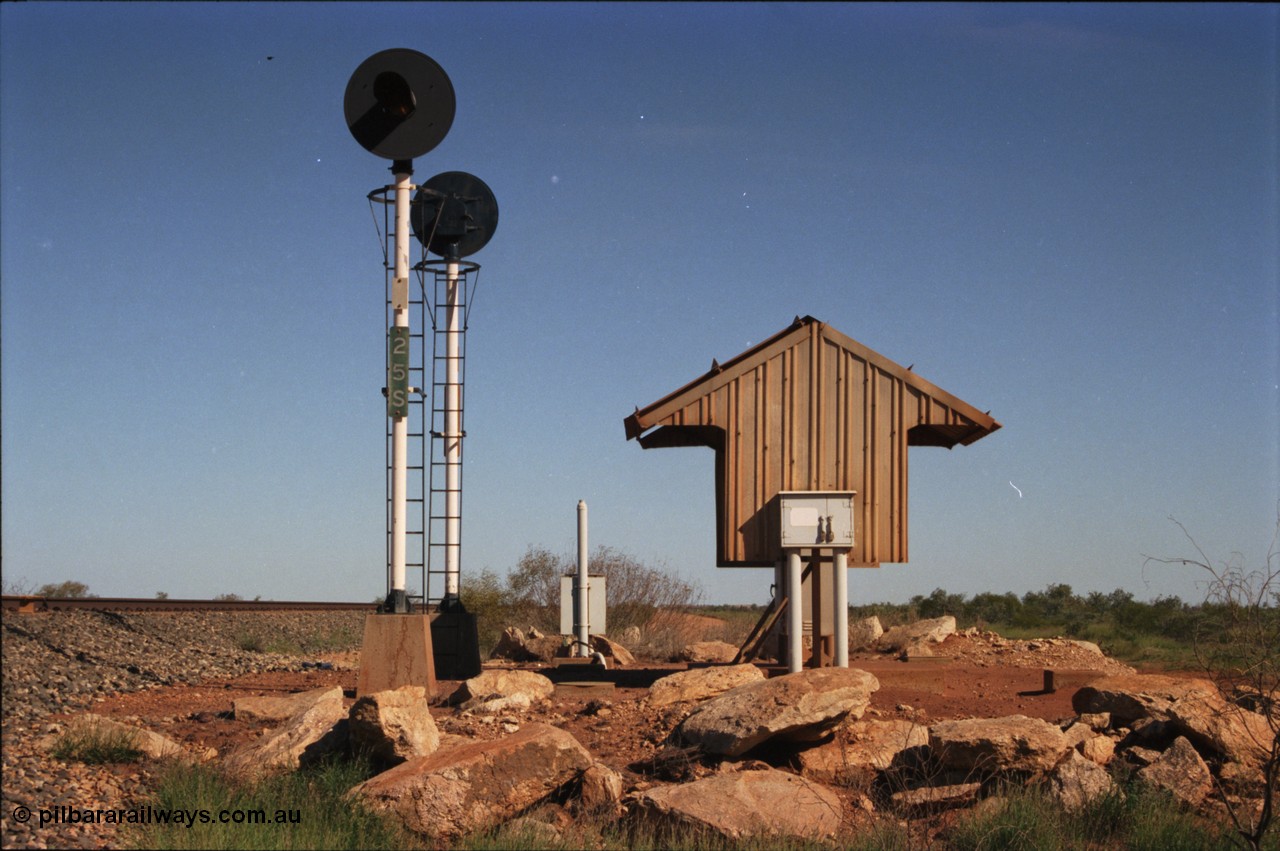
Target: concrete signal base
{"points": [[396, 652], [456, 638]]}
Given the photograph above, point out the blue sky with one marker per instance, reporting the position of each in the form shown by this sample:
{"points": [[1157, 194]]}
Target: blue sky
{"points": [[1066, 214]]}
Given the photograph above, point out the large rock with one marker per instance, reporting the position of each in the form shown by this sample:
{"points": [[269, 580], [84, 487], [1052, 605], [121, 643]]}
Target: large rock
{"points": [[1192, 707], [1099, 749], [802, 707], [498, 683], [518, 646], [1129, 698], [275, 708], [307, 737], [1181, 772], [864, 633], [860, 750], [934, 799], [610, 649], [713, 652], [1235, 733], [476, 786], [742, 804], [1077, 733], [146, 742], [701, 683], [601, 789], [917, 634], [995, 745], [1077, 781], [511, 704], [393, 726]]}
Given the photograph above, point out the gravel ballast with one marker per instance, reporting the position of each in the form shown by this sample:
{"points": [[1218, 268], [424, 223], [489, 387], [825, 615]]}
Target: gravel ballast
{"points": [[57, 663]]}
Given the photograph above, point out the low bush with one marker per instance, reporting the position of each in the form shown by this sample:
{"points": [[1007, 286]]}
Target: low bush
{"points": [[1159, 633], [251, 642], [530, 595], [1135, 819], [305, 809], [96, 745], [68, 588]]}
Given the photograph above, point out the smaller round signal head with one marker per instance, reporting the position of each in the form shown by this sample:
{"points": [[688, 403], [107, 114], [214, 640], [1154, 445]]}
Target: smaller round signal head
{"points": [[454, 214], [399, 104]]}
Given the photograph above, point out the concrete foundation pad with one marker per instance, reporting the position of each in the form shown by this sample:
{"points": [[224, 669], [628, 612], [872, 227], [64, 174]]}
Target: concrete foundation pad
{"points": [[455, 636], [581, 688], [396, 652], [569, 661]]}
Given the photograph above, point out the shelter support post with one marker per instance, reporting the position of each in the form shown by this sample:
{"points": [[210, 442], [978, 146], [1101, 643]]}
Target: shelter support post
{"points": [[841, 582], [795, 613]]}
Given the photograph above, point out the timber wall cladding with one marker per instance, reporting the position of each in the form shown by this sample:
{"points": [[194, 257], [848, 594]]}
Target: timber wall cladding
{"points": [[809, 409]]}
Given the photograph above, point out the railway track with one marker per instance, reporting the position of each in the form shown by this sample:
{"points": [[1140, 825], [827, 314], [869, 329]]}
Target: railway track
{"points": [[32, 603]]}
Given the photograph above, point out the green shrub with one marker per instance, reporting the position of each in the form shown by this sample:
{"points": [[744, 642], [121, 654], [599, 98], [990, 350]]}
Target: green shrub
{"points": [[96, 745], [285, 646], [1136, 819], [63, 589], [250, 642], [304, 809], [1024, 821], [337, 639], [530, 595], [485, 597], [1156, 823]]}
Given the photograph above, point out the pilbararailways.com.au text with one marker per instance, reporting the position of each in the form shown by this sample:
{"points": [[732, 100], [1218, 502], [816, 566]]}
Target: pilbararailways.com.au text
{"points": [[155, 815]]}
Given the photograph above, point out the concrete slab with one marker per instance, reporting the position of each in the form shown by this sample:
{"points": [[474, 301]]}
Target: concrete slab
{"points": [[576, 689]]}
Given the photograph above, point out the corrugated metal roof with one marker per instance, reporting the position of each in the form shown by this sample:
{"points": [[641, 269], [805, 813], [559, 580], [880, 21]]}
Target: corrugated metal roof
{"points": [[809, 409]]}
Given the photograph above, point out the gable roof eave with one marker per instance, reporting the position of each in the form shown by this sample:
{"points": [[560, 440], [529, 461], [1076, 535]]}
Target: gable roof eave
{"points": [[720, 374], [915, 381], [653, 414]]}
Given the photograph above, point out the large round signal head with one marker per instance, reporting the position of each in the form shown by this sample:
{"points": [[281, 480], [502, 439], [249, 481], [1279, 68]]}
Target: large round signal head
{"points": [[399, 104], [454, 214]]}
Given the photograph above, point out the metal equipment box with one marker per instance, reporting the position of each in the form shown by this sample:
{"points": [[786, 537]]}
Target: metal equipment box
{"points": [[596, 597], [816, 519]]}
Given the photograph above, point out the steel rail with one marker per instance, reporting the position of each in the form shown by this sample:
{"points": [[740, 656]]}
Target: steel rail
{"points": [[36, 603]]}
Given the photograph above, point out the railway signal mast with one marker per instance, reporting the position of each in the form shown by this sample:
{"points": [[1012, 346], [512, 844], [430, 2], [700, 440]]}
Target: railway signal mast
{"points": [[454, 216], [399, 104]]}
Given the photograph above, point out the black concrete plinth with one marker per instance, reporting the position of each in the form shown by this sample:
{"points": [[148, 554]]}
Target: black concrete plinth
{"points": [[455, 639]]}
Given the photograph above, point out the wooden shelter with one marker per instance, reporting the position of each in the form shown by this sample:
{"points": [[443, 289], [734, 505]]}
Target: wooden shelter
{"points": [[809, 409]]}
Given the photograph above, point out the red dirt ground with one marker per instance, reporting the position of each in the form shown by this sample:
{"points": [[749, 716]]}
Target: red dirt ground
{"points": [[615, 723]]}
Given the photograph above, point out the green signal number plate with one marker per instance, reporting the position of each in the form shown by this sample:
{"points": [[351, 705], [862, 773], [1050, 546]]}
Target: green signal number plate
{"points": [[397, 372]]}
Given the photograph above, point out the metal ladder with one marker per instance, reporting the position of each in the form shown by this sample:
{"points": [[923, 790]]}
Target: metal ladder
{"points": [[415, 491], [426, 491], [438, 491]]}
